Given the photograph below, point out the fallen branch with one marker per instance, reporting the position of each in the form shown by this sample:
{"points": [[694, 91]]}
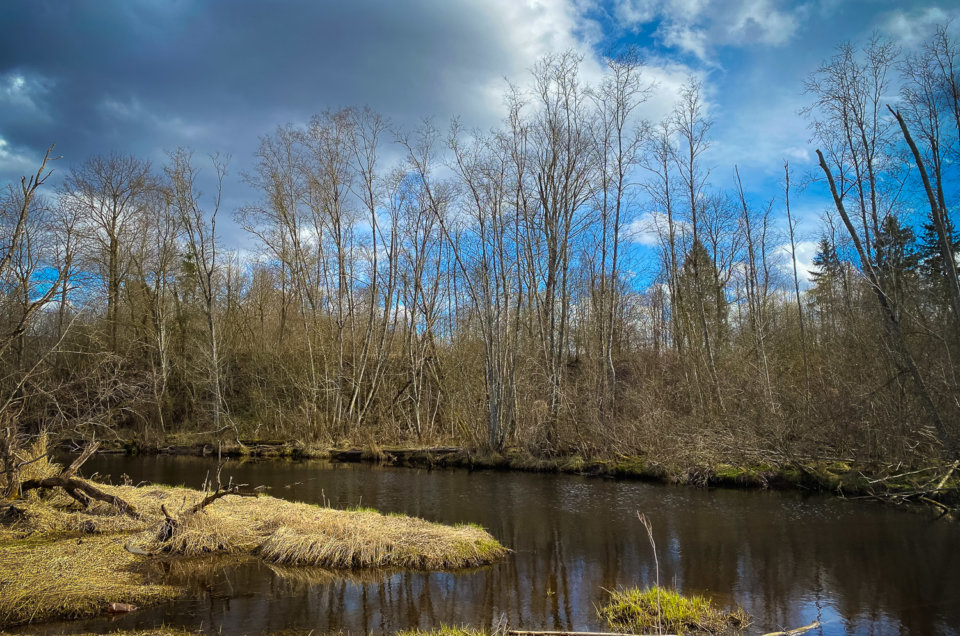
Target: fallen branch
{"points": [[82, 492], [947, 476], [209, 499], [936, 504], [794, 632], [79, 489], [170, 523], [80, 461]]}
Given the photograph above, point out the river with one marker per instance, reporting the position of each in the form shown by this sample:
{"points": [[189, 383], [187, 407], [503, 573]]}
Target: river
{"points": [[786, 558]]}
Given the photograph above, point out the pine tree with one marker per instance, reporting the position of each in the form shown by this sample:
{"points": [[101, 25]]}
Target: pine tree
{"points": [[709, 292], [897, 259], [932, 267], [829, 280]]}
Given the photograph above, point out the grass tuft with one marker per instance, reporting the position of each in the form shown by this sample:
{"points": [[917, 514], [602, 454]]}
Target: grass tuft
{"points": [[69, 577], [443, 630], [56, 561], [636, 611]]}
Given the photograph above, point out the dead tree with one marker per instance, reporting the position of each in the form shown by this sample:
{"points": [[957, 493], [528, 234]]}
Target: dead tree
{"points": [[80, 490]]}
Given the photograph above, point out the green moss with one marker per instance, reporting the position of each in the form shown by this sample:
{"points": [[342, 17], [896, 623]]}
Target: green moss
{"points": [[730, 475], [653, 608], [630, 468]]}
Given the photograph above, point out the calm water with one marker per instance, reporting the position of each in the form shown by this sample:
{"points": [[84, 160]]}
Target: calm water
{"points": [[787, 559]]}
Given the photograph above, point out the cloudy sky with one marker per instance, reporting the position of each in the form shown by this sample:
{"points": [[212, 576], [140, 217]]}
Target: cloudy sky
{"points": [[146, 76]]}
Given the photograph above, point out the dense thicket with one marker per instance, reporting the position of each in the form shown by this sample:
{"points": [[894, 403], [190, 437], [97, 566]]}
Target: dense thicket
{"points": [[487, 288]]}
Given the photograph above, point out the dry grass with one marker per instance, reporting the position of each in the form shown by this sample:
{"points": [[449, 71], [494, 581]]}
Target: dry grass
{"points": [[279, 531], [59, 561], [68, 577], [37, 464], [289, 533]]}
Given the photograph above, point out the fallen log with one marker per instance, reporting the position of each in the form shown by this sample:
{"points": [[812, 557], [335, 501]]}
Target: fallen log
{"points": [[79, 489], [82, 492], [794, 632], [943, 482]]}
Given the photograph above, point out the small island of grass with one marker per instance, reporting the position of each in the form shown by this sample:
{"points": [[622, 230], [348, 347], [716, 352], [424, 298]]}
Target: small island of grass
{"points": [[60, 561], [644, 611]]}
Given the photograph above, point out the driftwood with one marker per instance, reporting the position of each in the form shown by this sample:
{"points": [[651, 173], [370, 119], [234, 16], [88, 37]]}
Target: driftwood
{"points": [[79, 489], [169, 524], [794, 632]]}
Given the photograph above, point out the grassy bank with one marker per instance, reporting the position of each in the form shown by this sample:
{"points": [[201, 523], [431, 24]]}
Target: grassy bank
{"points": [[57, 561], [843, 477]]}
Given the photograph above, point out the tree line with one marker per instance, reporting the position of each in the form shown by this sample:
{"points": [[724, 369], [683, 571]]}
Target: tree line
{"points": [[484, 288]]}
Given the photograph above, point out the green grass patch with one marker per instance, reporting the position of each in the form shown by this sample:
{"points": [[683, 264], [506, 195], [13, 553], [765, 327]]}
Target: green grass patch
{"points": [[638, 611], [443, 630]]}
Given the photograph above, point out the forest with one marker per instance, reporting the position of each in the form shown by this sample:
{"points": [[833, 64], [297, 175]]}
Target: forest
{"points": [[442, 285]]}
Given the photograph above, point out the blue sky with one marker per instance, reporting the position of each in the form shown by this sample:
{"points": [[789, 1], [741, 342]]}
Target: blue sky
{"points": [[145, 76]]}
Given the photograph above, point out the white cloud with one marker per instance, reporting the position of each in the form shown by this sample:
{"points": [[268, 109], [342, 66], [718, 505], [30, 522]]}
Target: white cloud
{"points": [[13, 160], [911, 28], [651, 229], [24, 94], [699, 26], [688, 38], [805, 251], [635, 12]]}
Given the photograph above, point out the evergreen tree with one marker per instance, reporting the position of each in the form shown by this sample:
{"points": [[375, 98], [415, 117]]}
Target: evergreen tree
{"points": [[699, 285], [829, 280], [897, 259], [930, 257]]}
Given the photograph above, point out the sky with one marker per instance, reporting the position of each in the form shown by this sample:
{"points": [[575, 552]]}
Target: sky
{"points": [[144, 77]]}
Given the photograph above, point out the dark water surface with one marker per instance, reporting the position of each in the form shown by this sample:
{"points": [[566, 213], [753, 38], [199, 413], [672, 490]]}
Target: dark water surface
{"points": [[787, 559]]}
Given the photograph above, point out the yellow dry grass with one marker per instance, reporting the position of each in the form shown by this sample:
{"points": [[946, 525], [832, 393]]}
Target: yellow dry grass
{"points": [[66, 577], [92, 566]]}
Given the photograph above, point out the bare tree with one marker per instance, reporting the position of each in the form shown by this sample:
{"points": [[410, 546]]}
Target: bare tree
{"points": [[931, 98], [111, 193], [562, 169], [848, 121], [691, 127], [19, 259], [791, 228], [200, 229], [618, 142]]}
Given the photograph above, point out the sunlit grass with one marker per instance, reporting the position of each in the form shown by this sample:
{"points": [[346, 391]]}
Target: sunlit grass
{"points": [[647, 610], [69, 577], [58, 561]]}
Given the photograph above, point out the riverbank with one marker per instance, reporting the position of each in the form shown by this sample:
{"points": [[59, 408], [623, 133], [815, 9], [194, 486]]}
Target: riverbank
{"points": [[936, 485], [60, 561]]}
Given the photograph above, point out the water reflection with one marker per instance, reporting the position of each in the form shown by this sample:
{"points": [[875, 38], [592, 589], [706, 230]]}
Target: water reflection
{"points": [[861, 569]]}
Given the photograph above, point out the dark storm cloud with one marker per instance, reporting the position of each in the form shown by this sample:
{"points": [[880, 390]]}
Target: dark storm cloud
{"points": [[140, 77]]}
